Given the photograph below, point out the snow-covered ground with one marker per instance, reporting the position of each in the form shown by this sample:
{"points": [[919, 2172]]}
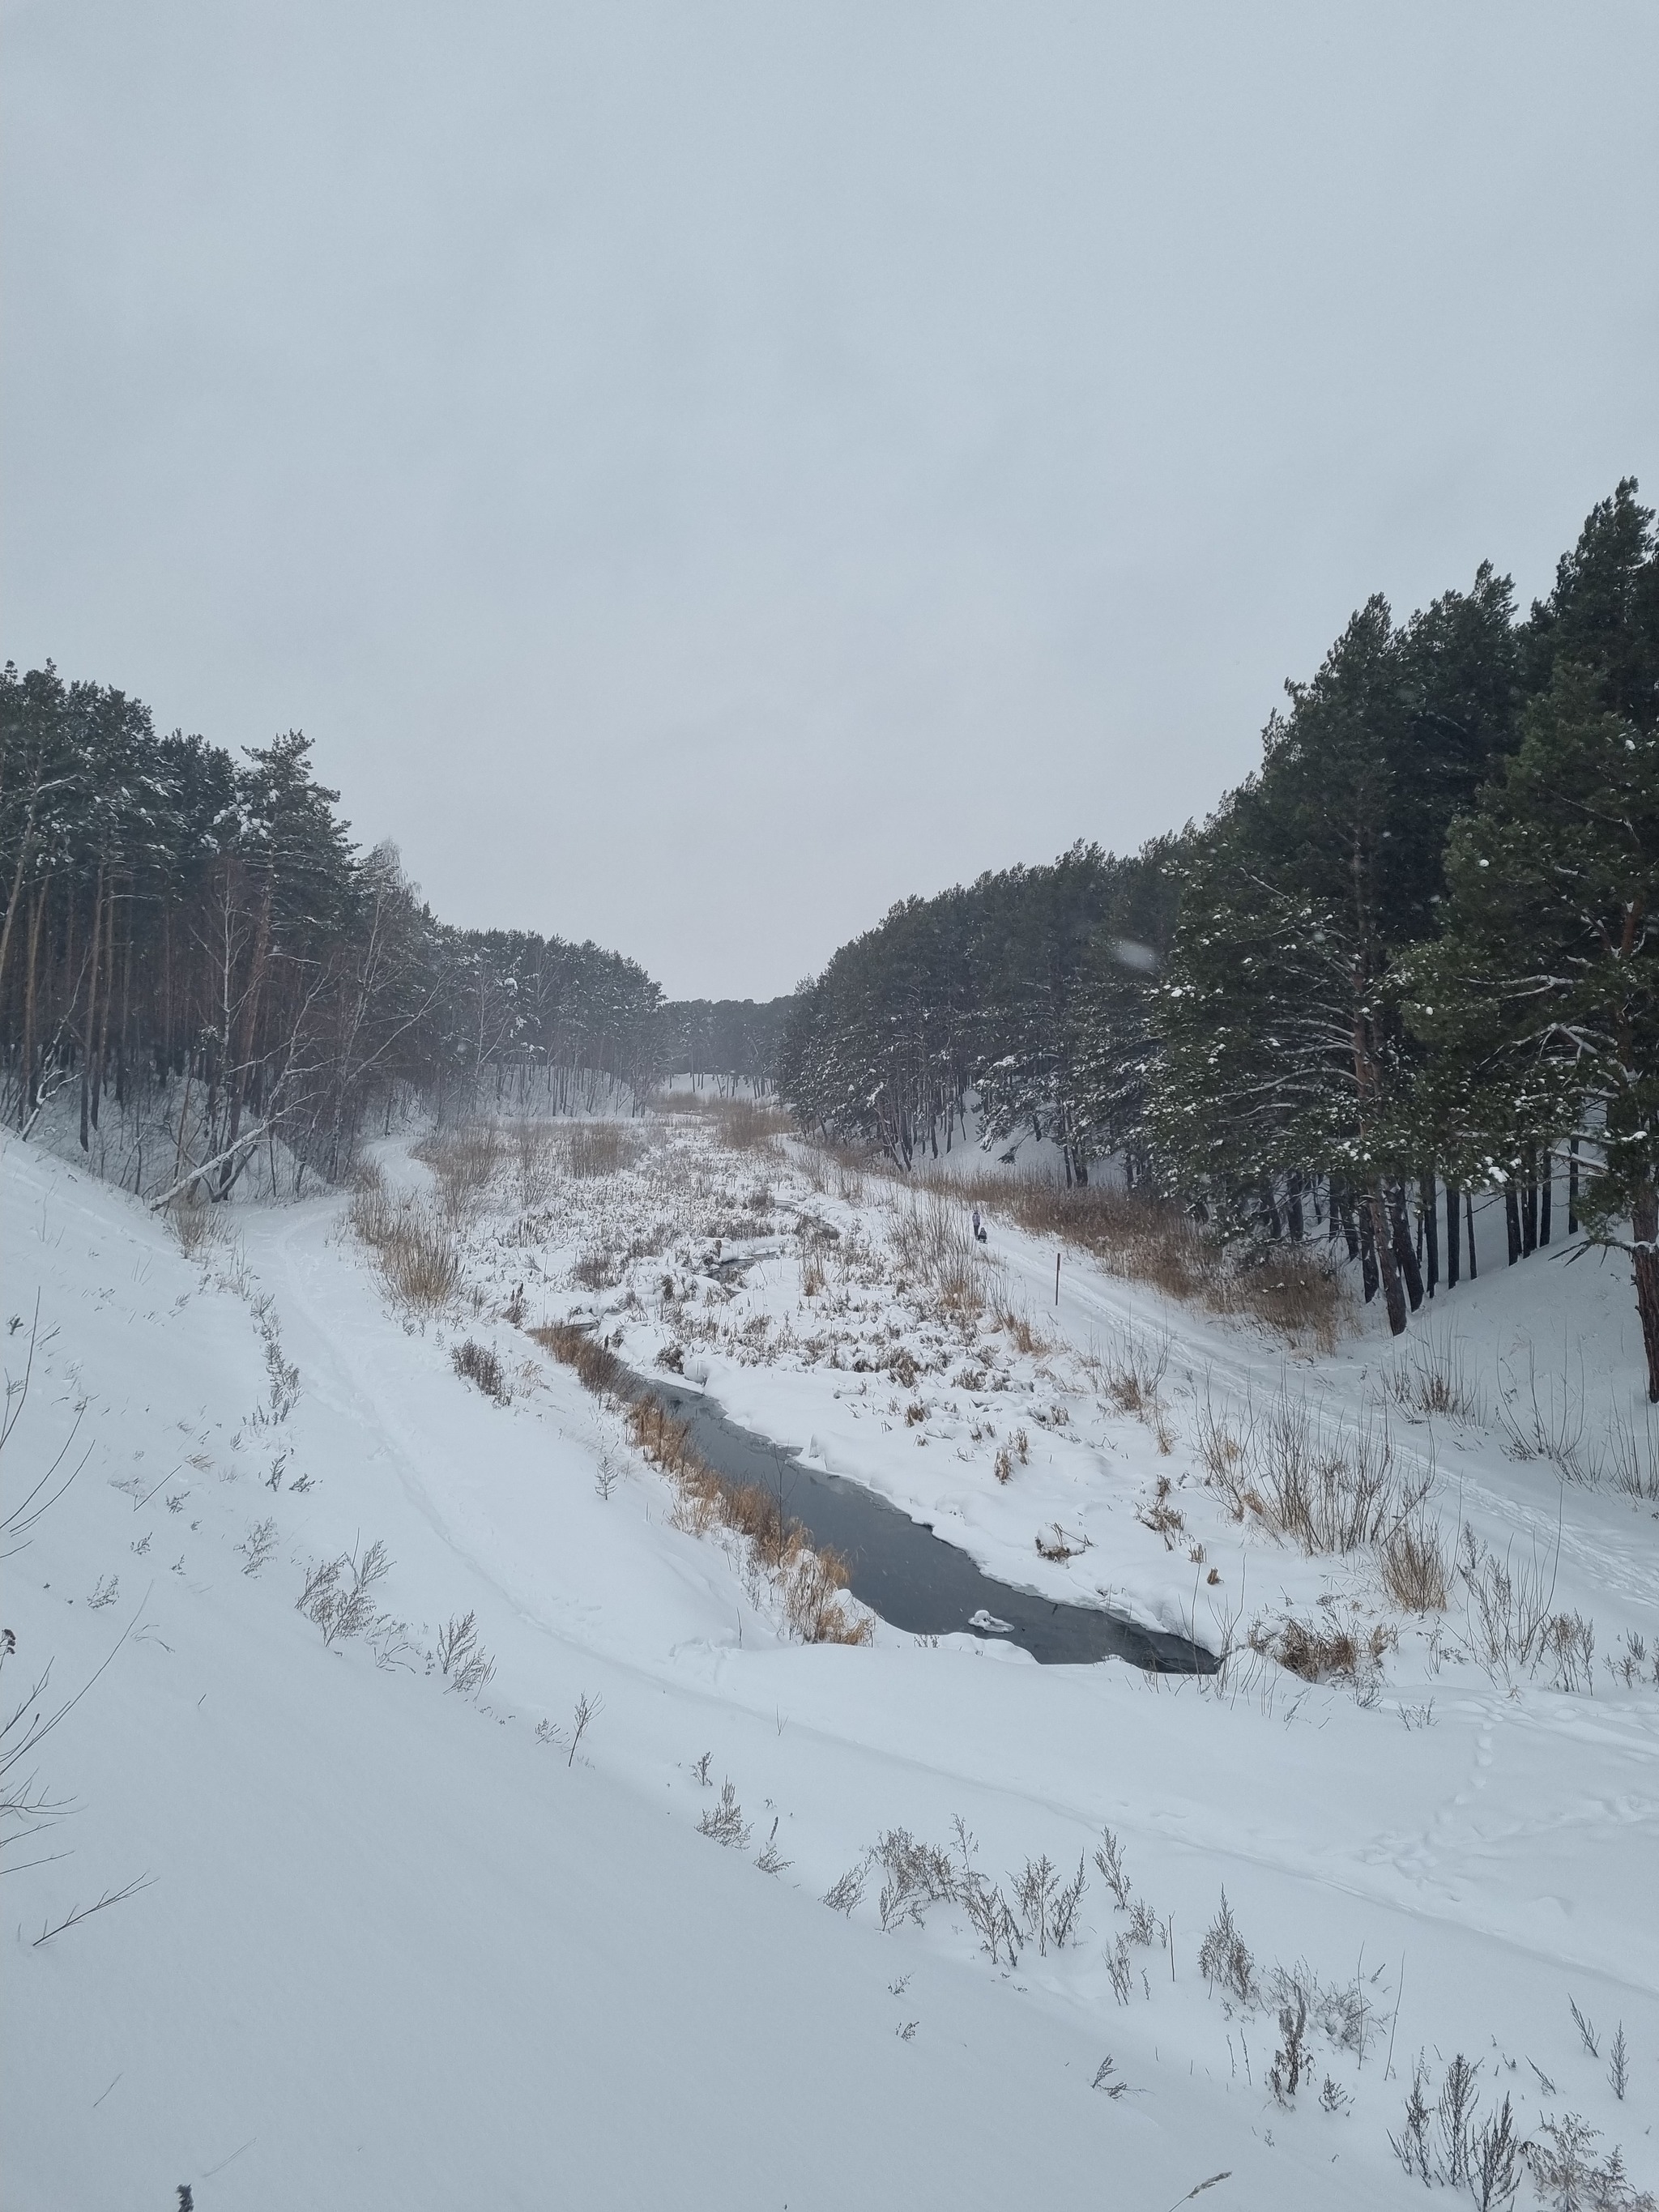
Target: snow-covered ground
{"points": [[404, 1944]]}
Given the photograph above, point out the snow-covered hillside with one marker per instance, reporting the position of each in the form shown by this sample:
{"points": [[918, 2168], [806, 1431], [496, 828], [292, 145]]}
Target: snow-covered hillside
{"points": [[403, 1938]]}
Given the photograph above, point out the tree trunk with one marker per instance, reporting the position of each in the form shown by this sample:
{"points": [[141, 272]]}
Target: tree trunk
{"points": [[1293, 1203], [1349, 1226], [1572, 1186], [1644, 1226], [1512, 1217], [1529, 1204], [1431, 1225], [1367, 1253], [1394, 1296], [1469, 1223], [1404, 1254], [1545, 1194], [1270, 1220], [1451, 1235]]}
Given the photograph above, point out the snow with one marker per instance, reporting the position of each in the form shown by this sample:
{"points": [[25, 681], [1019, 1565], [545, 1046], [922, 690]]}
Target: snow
{"points": [[402, 1949]]}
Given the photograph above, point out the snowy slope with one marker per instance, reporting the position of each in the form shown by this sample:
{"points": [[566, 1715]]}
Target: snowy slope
{"points": [[398, 1949]]}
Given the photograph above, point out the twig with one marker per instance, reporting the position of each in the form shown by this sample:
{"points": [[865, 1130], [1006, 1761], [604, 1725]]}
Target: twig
{"points": [[1388, 2063], [1200, 2189], [78, 1914]]}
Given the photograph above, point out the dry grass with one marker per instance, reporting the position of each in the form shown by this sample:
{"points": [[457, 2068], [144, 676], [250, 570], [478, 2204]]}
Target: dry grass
{"points": [[1146, 1239], [933, 1250], [1326, 1485], [600, 1370], [463, 1159], [601, 1148], [1633, 1456], [745, 1125], [1323, 1651], [808, 1582], [1416, 1566], [480, 1363], [1433, 1377], [193, 1224], [414, 1248]]}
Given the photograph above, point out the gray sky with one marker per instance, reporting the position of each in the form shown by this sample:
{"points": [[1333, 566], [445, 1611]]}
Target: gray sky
{"points": [[700, 473]]}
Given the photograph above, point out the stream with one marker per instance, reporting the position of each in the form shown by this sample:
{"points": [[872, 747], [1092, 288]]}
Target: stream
{"points": [[902, 1571]]}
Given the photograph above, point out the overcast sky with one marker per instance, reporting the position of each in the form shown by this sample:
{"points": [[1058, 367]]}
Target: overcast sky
{"points": [[699, 472]]}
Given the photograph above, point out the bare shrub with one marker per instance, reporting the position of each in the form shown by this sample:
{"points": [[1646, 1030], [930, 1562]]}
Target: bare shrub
{"points": [[1048, 1906], [1108, 1857], [1432, 1377], [846, 1893], [1545, 1418], [1162, 1518], [1327, 1485], [463, 1663], [1416, 1566], [1443, 2144], [1121, 1967], [257, 1546], [1509, 1621], [933, 1249], [586, 1711], [1632, 1459], [724, 1821], [915, 1876], [1632, 1665], [1133, 1369], [1224, 1957], [1570, 1641], [479, 1364], [1569, 2177], [1290, 2061], [338, 1594], [770, 1859]]}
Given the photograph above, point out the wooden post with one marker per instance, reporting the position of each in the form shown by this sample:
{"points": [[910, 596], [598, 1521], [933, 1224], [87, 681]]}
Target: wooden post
{"points": [[1056, 1279]]}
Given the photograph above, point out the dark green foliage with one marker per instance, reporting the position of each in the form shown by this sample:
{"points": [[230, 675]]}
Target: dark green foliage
{"points": [[724, 1038], [1411, 955], [1540, 999], [199, 937]]}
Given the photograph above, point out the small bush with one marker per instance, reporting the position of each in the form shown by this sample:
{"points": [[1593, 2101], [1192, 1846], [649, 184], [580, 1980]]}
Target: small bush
{"points": [[1416, 1566], [479, 1364], [416, 1253], [1224, 1957], [724, 1822], [462, 1660], [338, 1594]]}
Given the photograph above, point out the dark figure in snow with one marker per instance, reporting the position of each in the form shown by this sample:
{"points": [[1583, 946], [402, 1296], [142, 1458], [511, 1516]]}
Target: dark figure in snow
{"points": [[979, 1229]]}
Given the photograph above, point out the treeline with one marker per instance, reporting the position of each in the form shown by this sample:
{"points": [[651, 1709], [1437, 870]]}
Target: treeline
{"points": [[1413, 957], [197, 962], [725, 1039]]}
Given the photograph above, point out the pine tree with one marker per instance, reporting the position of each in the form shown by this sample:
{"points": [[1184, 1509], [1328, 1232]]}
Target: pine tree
{"points": [[1541, 997]]}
